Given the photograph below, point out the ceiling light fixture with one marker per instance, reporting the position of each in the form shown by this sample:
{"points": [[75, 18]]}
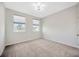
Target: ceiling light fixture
{"points": [[39, 6]]}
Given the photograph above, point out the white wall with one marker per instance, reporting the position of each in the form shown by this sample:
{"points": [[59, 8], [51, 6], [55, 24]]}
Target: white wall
{"points": [[14, 37], [2, 27], [61, 27]]}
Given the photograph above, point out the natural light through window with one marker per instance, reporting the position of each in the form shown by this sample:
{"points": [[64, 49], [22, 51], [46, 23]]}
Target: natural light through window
{"points": [[36, 25], [19, 23]]}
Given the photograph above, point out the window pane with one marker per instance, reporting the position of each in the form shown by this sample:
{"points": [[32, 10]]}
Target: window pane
{"points": [[36, 25], [36, 28], [19, 23], [19, 27]]}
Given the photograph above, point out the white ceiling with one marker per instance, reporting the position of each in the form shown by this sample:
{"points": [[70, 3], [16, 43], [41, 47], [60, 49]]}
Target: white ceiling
{"points": [[28, 8]]}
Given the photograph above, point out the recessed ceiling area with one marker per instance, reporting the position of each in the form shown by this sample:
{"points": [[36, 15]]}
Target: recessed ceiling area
{"points": [[48, 9]]}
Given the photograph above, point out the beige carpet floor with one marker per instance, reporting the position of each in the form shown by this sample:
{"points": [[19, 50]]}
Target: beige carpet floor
{"points": [[40, 48]]}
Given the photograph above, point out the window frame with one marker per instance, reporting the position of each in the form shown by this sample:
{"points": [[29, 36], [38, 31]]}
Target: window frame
{"points": [[36, 25], [18, 23]]}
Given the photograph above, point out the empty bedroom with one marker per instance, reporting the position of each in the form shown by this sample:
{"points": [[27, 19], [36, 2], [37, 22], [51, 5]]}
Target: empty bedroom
{"points": [[39, 29]]}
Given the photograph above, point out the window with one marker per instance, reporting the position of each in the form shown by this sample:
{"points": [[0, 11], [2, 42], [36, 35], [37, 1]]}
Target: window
{"points": [[36, 25], [19, 24]]}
